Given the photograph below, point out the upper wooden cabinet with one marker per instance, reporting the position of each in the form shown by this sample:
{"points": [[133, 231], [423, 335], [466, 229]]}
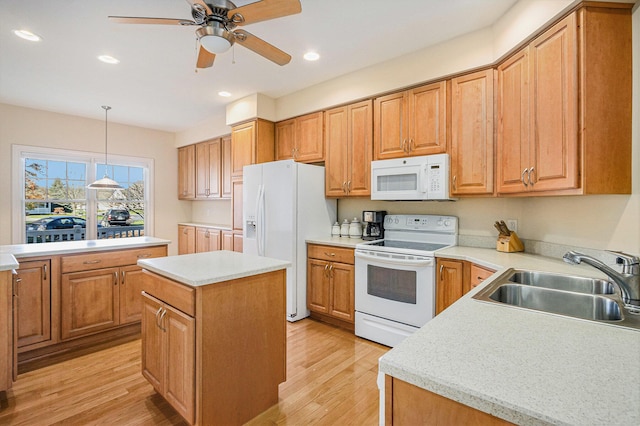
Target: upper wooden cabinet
{"points": [[208, 169], [301, 138], [349, 132], [186, 172], [564, 108], [251, 143], [413, 122], [472, 134], [225, 162]]}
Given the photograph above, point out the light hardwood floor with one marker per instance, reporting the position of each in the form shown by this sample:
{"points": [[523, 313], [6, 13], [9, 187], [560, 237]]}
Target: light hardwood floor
{"points": [[331, 379]]}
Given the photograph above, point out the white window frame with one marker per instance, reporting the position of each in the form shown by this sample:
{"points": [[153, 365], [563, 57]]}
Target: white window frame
{"points": [[21, 152]]}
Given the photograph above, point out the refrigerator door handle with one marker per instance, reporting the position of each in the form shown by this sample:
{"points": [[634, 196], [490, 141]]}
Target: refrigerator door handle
{"points": [[260, 220]]}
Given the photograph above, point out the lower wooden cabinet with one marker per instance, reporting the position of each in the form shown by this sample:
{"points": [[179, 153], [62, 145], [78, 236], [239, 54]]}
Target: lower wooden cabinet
{"points": [[454, 278], [207, 239], [330, 284], [33, 303], [186, 239], [6, 331]]}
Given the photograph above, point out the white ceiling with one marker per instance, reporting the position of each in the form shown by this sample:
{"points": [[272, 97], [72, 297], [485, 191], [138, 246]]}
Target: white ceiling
{"points": [[156, 86]]}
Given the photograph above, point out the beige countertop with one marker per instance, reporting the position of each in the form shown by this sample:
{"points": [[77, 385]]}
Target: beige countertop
{"points": [[523, 366], [335, 241], [211, 267], [207, 225], [7, 262]]}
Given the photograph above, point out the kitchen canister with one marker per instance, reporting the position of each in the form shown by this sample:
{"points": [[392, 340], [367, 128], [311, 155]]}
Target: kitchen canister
{"points": [[355, 228], [335, 230], [344, 228]]}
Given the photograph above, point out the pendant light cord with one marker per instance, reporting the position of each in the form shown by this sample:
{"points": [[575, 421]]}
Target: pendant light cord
{"points": [[106, 111]]}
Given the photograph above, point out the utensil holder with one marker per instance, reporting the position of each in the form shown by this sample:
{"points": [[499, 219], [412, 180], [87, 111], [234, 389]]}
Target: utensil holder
{"points": [[509, 244]]}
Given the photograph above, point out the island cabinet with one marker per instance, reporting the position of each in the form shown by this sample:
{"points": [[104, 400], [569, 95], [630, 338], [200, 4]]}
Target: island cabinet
{"points": [[300, 138], [406, 404], [186, 172], [349, 145], [472, 134], [412, 122], [33, 303], [331, 284], [555, 134], [100, 291], [454, 278], [215, 352], [6, 331]]}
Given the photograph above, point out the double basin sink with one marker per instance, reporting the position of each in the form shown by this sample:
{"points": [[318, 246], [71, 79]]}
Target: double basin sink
{"points": [[572, 296]]}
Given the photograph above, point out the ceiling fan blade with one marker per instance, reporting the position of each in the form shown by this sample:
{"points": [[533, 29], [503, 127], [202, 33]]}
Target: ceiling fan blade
{"points": [[156, 21], [201, 3], [261, 47], [264, 10], [205, 58]]}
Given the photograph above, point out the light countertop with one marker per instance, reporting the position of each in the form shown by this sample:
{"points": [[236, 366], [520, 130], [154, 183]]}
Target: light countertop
{"points": [[211, 267], [207, 225], [335, 241], [7, 262], [82, 246], [523, 366]]}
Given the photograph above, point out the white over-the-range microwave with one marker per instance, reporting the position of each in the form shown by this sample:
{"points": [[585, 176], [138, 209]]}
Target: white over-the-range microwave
{"points": [[411, 178]]}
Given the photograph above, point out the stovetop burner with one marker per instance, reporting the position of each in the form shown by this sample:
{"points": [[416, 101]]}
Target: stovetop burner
{"points": [[410, 245]]}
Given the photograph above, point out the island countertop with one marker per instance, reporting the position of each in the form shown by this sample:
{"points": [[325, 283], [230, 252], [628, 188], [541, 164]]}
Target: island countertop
{"points": [[82, 246], [200, 269], [523, 366], [7, 262]]}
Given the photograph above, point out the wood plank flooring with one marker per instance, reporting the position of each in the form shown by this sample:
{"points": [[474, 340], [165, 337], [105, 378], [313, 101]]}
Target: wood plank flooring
{"points": [[331, 379]]}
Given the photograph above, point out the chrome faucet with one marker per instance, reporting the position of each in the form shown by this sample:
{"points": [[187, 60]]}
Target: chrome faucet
{"points": [[628, 281]]}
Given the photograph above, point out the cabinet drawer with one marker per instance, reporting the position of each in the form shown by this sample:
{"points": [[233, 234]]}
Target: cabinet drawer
{"points": [[179, 296], [330, 253], [109, 259], [479, 274]]}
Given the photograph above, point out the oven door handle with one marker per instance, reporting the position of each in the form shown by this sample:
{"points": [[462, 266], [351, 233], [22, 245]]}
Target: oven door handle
{"points": [[395, 261]]}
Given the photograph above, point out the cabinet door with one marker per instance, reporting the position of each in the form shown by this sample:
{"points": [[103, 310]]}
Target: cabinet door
{"points": [[449, 283], [225, 162], [186, 239], [130, 290], [337, 160], [554, 108], [472, 134], [478, 275], [285, 139], [512, 147], [33, 288], [153, 347], [318, 285], [309, 146], [186, 172], [428, 119], [207, 239], [237, 205], [6, 330], [237, 241], [390, 126], [208, 169], [243, 139], [227, 240], [342, 291], [179, 333], [360, 137], [89, 302]]}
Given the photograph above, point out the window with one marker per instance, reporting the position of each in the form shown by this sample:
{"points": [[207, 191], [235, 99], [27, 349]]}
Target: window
{"points": [[52, 202]]}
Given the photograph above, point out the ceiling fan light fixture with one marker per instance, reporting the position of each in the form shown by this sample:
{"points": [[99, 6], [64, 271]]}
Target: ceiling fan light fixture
{"points": [[215, 38]]}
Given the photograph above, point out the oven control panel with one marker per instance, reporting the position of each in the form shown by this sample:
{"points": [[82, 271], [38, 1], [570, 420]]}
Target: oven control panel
{"points": [[421, 222]]}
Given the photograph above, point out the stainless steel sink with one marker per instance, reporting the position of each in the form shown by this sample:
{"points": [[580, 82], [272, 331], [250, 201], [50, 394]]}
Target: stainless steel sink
{"points": [[583, 298], [562, 282]]}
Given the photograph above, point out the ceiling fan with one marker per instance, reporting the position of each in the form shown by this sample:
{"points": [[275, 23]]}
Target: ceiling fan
{"points": [[217, 20]]}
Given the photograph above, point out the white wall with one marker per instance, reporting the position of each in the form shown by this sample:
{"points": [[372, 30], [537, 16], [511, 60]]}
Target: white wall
{"points": [[25, 126]]}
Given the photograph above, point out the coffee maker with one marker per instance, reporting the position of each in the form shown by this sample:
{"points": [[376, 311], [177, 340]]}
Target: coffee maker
{"points": [[373, 222]]}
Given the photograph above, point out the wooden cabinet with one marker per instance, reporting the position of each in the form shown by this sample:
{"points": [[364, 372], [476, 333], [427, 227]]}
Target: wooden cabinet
{"points": [[349, 132], [168, 354], [186, 239], [33, 289], [330, 284], [225, 163], [406, 404], [186, 172], [94, 300], [251, 143], [232, 241], [222, 374], [207, 239], [409, 123], [472, 134], [454, 278], [556, 134], [213, 168], [6, 331], [236, 205], [300, 138]]}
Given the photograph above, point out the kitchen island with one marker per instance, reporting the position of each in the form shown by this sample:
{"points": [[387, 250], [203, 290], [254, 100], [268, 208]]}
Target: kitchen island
{"points": [[522, 366], [214, 333]]}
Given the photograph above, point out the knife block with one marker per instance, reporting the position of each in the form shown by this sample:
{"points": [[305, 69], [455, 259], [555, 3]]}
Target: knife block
{"points": [[509, 243]]}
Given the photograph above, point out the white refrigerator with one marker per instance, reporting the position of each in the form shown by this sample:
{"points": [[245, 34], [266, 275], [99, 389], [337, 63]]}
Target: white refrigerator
{"points": [[283, 205]]}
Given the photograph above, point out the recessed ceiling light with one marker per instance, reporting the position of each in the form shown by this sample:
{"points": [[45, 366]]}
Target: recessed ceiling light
{"points": [[311, 56], [108, 59], [224, 94], [27, 35]]}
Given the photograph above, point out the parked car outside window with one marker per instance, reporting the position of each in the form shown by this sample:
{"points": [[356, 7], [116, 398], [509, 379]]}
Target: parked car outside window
{"points": [[116, 217], [56, 222]]}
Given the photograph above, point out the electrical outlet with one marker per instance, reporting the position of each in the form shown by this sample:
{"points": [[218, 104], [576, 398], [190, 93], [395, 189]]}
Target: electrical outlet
{"points": [[512, 224]]}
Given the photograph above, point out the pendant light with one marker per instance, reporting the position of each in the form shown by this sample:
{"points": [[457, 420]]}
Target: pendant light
{"points": [[106, 182]]}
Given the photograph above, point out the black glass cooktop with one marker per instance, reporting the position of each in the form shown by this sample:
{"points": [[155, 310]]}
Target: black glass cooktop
{"points": [[411, 245]]}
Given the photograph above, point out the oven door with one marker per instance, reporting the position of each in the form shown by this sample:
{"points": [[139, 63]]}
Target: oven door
{"points": [[397, 287]]}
